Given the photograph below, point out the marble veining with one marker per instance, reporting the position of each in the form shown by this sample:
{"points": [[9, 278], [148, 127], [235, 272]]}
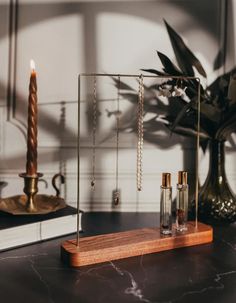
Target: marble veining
{"points": [[204, 273], [233, 246], [41, 279], [93, 272], [134, 288], [217, 280], [22, 257]]}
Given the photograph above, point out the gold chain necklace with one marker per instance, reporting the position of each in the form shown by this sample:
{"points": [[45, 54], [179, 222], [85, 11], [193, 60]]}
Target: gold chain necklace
{"points": [[140, 133]]}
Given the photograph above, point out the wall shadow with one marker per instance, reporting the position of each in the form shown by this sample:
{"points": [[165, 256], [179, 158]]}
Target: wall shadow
{"points": [[39, 12]]}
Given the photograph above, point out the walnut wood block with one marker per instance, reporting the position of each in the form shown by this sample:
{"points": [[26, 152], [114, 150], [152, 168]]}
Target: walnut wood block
{"points": [[102, 248]]}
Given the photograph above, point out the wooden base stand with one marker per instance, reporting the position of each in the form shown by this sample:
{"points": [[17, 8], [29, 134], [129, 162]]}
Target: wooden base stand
{"points": [[108, 247]]}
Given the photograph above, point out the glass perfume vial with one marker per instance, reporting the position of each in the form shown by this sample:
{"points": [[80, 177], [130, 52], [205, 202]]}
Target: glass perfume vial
{"points": [[166, 205], [182, 202]]}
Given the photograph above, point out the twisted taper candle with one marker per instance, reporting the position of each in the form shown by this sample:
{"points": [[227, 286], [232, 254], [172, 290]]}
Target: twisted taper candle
{"points": [[31, 164]]}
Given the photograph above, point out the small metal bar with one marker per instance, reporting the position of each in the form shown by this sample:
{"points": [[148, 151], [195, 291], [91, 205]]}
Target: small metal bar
{"points": [[138, 75], [197, 153], [78, 166]]}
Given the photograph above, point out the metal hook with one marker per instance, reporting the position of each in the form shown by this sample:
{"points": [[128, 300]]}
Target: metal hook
{"points": [[62, 178], [44, 181]]}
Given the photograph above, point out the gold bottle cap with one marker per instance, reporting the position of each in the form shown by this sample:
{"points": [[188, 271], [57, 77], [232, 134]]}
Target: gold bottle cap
{"points": [[182, 177], [166, 179]]}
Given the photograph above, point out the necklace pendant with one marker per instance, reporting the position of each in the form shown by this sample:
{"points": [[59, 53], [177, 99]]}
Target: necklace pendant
{"points": [[116, 197]]}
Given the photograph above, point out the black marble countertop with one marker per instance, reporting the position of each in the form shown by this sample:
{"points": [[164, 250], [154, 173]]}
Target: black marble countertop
{"points": [[205, 273]]}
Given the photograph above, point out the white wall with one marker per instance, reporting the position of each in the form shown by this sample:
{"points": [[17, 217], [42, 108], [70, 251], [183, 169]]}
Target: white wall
{"points": [[66, 38]]}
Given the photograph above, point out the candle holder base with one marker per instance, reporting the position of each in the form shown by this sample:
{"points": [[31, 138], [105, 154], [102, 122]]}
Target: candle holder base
{"points": [[43, 204], [31, 189], [31, 203]]}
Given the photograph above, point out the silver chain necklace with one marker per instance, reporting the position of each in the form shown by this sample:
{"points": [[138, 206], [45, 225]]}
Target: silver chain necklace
{"points": [[94, 132], [117, 191]]}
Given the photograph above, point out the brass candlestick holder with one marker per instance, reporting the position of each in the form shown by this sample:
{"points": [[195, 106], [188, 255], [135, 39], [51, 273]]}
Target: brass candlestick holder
{"points": [[32, 203], [31, 189]]}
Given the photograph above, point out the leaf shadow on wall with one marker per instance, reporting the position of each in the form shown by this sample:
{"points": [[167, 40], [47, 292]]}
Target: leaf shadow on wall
{"points": [[39, 12]]}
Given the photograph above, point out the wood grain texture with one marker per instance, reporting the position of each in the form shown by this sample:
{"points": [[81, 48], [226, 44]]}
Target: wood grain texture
{"points": [[108, 247]]}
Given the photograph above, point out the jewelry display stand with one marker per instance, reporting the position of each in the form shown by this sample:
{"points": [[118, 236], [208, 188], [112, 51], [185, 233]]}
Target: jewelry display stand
{"points": [[102, 248]]}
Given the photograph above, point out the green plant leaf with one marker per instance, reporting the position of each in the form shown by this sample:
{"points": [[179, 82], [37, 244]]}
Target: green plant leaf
{"points": [[226, 128], [181, 114], [184, 56], [219, 60], [232, 90], [190, 132], [218, 108], [154, 71], [169, 66], [228, 131], [220, 85], [213, 113]]}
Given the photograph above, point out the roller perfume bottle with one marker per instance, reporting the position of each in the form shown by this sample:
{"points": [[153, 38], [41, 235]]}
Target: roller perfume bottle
{"points": [[182, 202], [166, 205]]}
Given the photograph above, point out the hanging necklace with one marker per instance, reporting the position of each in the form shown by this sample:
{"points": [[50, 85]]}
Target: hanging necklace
{"points": [[94, 131], [140, 133], [117, 191]]}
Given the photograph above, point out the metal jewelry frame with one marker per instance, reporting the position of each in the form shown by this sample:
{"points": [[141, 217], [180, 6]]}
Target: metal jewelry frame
{"points": [[117, 116], [138, 76]]}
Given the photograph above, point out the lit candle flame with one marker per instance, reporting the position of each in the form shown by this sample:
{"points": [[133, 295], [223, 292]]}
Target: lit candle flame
{"points": [[32, 65]]}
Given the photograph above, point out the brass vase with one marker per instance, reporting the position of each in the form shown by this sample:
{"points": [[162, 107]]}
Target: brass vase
{"points": [[216, 199]]}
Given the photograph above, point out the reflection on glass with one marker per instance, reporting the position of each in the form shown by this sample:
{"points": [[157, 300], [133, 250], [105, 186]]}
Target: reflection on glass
{"points": [[182, 202], [166, 205]]}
